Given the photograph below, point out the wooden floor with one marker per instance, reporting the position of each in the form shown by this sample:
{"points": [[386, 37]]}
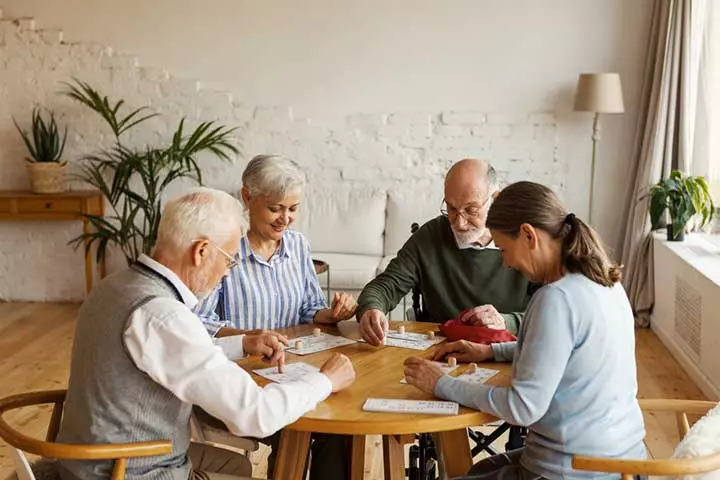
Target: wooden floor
{"points": [[36, 339]]}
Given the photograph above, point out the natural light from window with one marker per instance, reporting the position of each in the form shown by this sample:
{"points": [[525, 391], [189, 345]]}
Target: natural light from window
{"points": [[712, 91]]}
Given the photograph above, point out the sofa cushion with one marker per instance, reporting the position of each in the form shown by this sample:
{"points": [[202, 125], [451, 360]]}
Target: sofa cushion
{"points": [[347, 271], [343, 219], [407, 205], [702, 439], [384, 263]]}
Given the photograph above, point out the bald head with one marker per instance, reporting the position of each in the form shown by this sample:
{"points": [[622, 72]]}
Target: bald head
{"points": [[469, 185], [470, 180]]}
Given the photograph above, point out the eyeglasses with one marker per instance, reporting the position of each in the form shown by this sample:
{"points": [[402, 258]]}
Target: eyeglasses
{"points": [[468, 213], [230, 261]]}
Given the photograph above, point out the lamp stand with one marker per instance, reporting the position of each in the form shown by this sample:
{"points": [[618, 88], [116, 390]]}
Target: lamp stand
{"points": [[595, 138]]}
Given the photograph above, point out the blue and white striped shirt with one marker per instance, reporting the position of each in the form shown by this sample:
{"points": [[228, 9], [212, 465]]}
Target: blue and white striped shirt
{"points": [[260, 294]]}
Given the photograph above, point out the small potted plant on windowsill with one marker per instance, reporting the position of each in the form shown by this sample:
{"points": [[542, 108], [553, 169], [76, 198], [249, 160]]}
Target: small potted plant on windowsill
{"points": [[683, 197], [45, 145]]}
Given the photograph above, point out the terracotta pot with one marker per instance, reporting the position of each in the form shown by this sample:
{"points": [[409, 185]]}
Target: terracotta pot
{"points": [[47, 177]]}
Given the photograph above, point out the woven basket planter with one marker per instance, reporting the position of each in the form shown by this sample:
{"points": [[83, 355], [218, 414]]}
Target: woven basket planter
{"points": [[47, 177]]}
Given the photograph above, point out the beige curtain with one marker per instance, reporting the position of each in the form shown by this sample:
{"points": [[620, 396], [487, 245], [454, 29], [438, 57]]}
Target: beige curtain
{"points": [[664, 134]]}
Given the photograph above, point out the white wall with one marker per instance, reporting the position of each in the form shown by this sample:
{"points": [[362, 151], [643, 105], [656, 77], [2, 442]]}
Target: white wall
{"points": [[329, 61]]}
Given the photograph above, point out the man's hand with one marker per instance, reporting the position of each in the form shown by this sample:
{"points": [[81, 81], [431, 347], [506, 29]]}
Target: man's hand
{"points": [[422, 373], [373, 326], [343, 306], [268, 345], [231, 332], [340, 371], [464, 351], [484, 316]]}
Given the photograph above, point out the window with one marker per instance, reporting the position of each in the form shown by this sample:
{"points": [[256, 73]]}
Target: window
{"points": [[710, 96], [706, 144]]}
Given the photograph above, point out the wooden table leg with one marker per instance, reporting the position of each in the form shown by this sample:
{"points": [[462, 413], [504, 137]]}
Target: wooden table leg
{"points": [[357, 462], [393, 457], [88, 259], [292, 454], [455, 447]]}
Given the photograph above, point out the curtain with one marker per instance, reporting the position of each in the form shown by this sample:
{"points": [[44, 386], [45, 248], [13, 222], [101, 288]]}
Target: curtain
{"points": [[665, 133]]}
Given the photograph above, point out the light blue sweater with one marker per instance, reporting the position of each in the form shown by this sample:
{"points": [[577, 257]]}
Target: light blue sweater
{"points": [[573, 378]]}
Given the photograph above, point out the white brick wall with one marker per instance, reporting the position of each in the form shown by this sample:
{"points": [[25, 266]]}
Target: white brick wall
{"points": [[378, 149]]}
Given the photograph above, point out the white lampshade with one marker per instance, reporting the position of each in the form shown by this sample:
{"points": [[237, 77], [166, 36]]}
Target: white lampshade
{"points": [[599, 92]]}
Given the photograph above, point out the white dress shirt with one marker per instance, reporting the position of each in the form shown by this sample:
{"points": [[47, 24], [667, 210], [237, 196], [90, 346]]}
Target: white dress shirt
{"points": [[167, 341]]}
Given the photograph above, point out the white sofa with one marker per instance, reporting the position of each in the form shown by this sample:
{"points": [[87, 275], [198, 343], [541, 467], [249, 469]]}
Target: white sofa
{"points": [[358, 231]]}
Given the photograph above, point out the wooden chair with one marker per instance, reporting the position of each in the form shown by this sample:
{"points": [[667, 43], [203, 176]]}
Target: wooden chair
{"points": [[665, 467], [205, 428], [119, 452]]}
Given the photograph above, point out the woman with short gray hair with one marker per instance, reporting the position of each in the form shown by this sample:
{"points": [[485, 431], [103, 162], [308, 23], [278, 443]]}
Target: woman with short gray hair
{"points": [[274, 284]]}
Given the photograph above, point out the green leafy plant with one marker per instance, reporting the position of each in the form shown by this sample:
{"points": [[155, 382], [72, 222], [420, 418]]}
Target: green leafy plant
{"points": [[683, 197], [46, 145], [133, 179]]}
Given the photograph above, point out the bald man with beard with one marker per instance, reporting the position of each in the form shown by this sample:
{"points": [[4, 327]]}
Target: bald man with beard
{"points": [[453, 262]]}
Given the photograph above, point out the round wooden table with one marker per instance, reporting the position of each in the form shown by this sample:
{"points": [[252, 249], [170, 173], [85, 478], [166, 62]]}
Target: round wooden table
{"points": [[378, 374]]}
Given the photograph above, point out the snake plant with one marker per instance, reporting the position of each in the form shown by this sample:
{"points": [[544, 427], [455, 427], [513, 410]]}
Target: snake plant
{"points": [[45, 144]]}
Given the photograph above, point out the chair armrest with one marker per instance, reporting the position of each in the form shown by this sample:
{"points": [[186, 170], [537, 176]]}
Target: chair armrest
{"points": [[207, 428], [665, 466], [699, 407], [63, 450]]}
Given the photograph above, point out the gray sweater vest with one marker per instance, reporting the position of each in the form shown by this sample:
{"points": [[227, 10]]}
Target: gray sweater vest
{"points": [[109, 399]]}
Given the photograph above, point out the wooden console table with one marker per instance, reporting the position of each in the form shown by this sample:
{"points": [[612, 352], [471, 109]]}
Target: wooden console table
{"points": [[68, 206]]}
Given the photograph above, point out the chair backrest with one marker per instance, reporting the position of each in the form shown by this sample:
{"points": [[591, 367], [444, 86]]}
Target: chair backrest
{"points": [[665, 467], [419, 313], [50, 449]]}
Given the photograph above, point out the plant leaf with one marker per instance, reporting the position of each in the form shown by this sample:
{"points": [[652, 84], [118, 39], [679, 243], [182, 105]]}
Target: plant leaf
{"points": [[133, 180]]}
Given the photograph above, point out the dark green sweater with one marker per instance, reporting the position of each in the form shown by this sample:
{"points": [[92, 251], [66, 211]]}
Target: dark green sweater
{"points": [[450, 279]]}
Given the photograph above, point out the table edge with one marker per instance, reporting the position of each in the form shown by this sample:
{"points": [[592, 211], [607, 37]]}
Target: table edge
{"points": [[430, 424]]}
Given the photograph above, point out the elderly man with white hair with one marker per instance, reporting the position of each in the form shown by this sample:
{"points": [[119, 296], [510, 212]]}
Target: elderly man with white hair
{"points": [[274, 285], [141, 358]]}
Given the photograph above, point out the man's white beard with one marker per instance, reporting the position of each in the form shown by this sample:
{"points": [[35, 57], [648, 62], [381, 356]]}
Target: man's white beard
{"points": [[470, 238]]}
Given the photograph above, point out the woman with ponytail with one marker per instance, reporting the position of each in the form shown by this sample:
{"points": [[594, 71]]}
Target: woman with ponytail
{"points": [[574, 379]]}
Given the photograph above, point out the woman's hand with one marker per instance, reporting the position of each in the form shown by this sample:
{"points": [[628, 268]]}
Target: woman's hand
{"points": [[422, 373], [343, 306]]}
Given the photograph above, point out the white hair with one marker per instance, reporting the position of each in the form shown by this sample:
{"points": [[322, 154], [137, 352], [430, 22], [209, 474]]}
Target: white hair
{"points": [[272, 175], [203, 213]]}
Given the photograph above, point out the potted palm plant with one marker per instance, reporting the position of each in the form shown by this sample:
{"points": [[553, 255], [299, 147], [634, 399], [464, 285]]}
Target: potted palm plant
{"points": [[45, 146], [683, 197], [133, 179]]}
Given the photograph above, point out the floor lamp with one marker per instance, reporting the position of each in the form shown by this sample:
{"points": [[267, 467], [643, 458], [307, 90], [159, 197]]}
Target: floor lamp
{"points": [[598, 93]]}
